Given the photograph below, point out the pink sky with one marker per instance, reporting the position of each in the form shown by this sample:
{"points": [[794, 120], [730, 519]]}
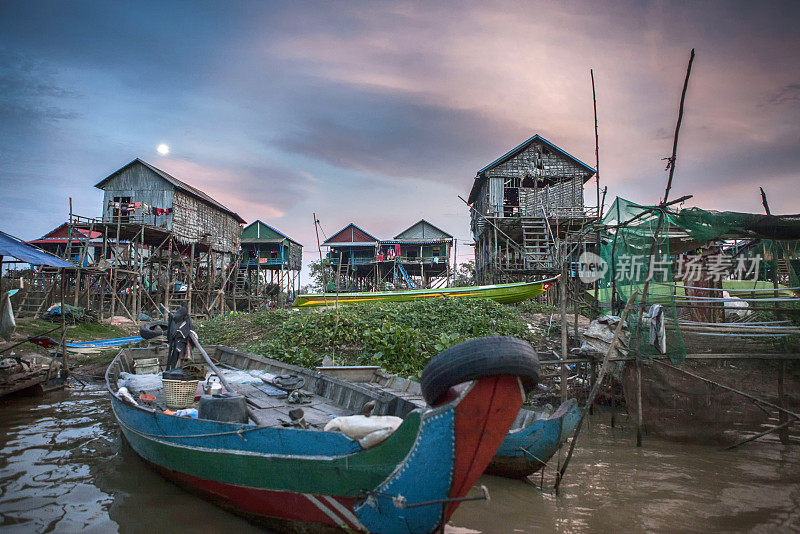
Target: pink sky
{"points": [[380, 113]]}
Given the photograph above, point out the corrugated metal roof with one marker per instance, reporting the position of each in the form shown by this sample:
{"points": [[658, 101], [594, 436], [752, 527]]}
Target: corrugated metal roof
{"points": [[183, 186], [423, 222], [262, 240], [330, 240]]}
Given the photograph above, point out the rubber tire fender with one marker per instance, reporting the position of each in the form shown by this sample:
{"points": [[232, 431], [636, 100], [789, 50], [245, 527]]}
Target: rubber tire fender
{"points": [[153, 329], [477, 358]]}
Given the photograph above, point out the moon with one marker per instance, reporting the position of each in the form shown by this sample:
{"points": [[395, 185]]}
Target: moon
{"points": [[163, 149]]}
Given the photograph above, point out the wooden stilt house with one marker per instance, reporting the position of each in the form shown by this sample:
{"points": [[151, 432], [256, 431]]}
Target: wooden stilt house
{"points": [[527, 209], [269, 265]]}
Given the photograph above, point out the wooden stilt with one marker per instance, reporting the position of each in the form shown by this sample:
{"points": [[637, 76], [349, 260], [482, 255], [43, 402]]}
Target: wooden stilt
{"points": [[64, 357], [190, 279], [562, 294], [638, 404], [783, 419]]}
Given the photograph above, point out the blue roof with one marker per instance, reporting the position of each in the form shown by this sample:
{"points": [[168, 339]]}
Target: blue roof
{"points": [[15, 248]]}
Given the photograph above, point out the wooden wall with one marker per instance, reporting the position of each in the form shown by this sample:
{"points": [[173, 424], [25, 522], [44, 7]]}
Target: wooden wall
{"points": [[192, 220]]}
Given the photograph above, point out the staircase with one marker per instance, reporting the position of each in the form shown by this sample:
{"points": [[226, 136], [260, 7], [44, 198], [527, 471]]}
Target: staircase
{"points": [[784, 270], [409, 283], [241, 280], [35, 297], [537, 243], [32, 302]]}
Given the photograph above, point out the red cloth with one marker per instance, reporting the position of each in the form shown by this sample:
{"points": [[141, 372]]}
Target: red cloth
{"points": [[45, 342]]}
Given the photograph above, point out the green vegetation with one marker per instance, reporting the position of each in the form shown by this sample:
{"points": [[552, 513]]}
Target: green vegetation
{"points": [[76, 332], [399, 337]]}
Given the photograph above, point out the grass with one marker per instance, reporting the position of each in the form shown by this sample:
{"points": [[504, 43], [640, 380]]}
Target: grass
{"points": [[77, 332], [400, 337]]}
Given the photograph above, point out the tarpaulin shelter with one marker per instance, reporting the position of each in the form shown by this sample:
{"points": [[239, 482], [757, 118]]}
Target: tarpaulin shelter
{"points": [[16, 248]]}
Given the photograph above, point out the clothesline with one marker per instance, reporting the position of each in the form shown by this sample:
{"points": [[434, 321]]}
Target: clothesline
{"points": [[126, 208]]}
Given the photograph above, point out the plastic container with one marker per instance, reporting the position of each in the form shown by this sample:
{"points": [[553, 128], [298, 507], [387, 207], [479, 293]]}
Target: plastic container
{"points": [[146, 366], [230, 408]]}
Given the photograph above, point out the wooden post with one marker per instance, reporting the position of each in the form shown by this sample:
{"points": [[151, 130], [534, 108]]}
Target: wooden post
{"points": [[783, 419], [64, 358], [638, 404], [190, 279], [103, 276], [576, 296], [168, 286], [562, 297], [678, 128]]}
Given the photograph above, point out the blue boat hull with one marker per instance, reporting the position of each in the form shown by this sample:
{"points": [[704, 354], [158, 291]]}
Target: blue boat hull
{"points": [[526, 450]]}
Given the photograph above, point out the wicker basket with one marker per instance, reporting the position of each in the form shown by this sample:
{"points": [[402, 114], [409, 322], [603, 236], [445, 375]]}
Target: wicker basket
{"points": [[179, 394]]}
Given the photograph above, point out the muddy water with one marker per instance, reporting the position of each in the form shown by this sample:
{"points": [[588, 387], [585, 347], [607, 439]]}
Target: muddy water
{"points": [[65, 468]]}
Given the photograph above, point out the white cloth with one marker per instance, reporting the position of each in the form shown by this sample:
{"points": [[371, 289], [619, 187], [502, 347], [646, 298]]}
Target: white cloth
{"points": [[658, 333], [7, 322], [358, 426]]}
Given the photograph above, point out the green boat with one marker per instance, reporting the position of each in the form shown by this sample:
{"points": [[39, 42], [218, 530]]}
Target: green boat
{"points": [[502, 293]]}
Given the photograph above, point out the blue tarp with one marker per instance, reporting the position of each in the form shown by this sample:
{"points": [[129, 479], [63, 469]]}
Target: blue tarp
{"points": [[11, 246], [100, 343]]}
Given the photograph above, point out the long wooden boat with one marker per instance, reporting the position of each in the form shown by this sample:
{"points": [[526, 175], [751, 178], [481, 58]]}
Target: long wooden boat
{"points": [[308, 480], [502, 293], [533, 439]]}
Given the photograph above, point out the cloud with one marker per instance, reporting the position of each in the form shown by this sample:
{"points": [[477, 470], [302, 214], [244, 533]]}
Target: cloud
{"points": [[787, 94], [263, 190], [381, 112], [29, 93]]}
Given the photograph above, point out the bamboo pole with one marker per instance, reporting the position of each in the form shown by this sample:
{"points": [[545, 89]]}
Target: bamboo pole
{"points": [[196, 342], [190, 279], [321, 262], [562, 297], [671, 161], [64, 358], [638, 403], [595, 388], [782, 418]]}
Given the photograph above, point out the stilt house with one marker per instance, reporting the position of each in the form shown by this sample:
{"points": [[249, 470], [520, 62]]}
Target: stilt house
{"points": [[417, 257], [527, 206], [269, 263]]}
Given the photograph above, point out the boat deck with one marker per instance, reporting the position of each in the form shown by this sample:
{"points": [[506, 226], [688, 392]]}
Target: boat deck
{"points": [[324, 397]]}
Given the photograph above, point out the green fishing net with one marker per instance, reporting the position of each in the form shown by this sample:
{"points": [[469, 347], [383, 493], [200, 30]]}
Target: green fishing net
{"points": [[627, 241], [626, 246]]}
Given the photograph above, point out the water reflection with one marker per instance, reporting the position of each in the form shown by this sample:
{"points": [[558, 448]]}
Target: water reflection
{"points": [[65, 468]]}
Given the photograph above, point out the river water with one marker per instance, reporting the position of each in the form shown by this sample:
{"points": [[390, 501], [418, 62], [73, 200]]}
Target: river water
{"points": [[64, 467]]}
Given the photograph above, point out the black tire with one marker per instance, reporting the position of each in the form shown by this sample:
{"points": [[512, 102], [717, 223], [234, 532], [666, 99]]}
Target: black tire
{"points": [[153, 329], [476, 358]]}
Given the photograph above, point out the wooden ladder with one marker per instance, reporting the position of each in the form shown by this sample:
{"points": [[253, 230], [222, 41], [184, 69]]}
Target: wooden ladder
{"points": [[784, 269], [536, 242]]}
